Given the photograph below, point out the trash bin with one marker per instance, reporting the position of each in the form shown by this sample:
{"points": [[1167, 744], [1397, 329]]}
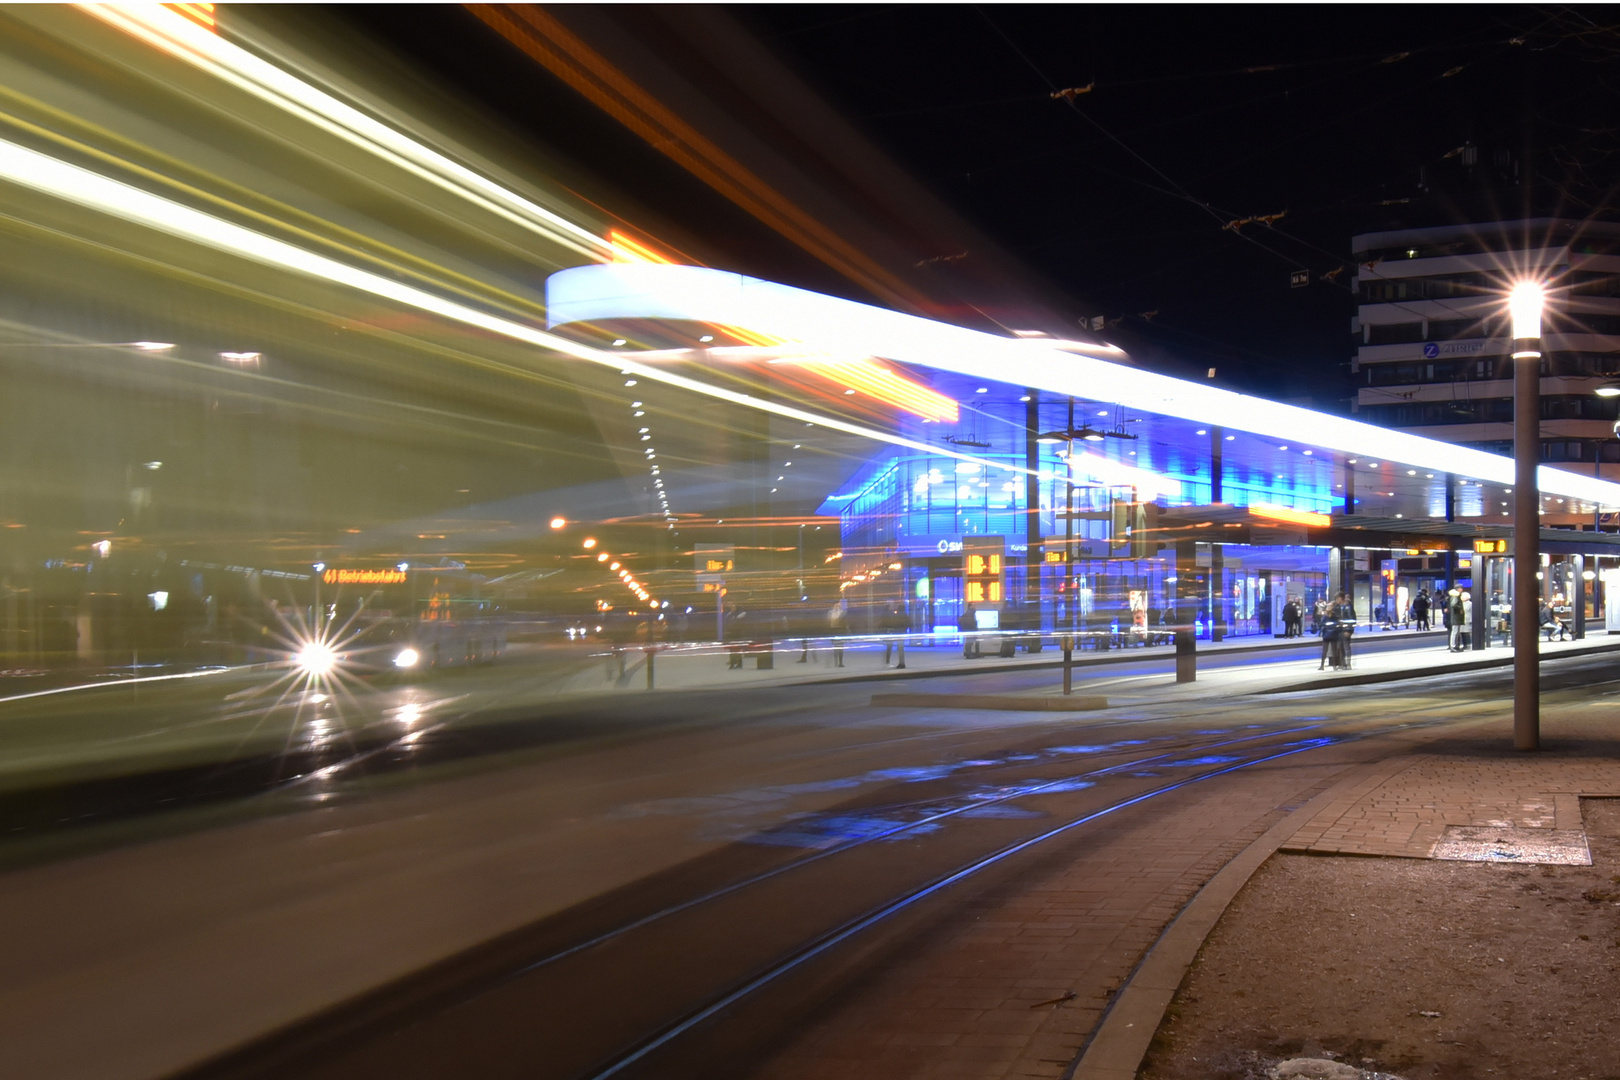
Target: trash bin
{"points": [[764, 655]]}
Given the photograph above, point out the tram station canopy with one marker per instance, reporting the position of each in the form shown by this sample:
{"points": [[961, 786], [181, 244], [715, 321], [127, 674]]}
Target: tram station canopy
{"points": [[1277, 453]]}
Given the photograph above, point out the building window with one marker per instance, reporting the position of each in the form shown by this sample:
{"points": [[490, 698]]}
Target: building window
{"points": [[1394, 333]]}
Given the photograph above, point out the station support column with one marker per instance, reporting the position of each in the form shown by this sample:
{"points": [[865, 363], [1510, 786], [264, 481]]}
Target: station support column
{"points": [[1577, 602]]}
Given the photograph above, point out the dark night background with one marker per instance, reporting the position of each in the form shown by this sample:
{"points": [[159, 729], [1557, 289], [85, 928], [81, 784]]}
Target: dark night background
{"points": [[1341, 119]]}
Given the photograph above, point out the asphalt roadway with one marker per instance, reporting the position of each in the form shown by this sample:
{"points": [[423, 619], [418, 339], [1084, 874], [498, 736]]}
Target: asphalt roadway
{"points": [[465, 877]]}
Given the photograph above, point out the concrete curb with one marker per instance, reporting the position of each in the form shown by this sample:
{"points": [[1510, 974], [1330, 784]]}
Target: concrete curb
{"points": [[1006, 702], [1121, 1039], [1113, 656], [1366, 678]]}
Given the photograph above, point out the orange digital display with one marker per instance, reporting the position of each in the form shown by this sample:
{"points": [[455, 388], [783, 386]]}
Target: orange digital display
{"points": [[981, 570], [364, 577]]}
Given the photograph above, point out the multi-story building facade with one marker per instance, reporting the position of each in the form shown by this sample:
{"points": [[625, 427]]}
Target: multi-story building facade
{"points": [[1432, 353]]}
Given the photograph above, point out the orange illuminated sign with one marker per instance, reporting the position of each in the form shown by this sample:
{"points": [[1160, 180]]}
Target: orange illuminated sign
{"points": [[1491, 547], [982, 562], [364, 577], [1289, 514]]}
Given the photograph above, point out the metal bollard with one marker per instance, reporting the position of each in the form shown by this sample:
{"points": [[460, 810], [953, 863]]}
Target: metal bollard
{"points": [[1186, 655]]}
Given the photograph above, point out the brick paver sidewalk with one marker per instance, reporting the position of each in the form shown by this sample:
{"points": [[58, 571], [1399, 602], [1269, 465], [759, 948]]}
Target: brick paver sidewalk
{"points": [[1472, 781]]}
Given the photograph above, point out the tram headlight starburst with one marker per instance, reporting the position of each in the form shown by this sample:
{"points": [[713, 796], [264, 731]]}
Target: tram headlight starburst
{"points": [[316, 659]]}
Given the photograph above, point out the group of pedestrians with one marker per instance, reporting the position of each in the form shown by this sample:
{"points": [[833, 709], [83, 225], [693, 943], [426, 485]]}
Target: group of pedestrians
{"points": [[1293, 617], [1459, 620], [1336, 621]]}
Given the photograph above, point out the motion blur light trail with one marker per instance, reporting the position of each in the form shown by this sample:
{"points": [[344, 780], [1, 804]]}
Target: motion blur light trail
{"points": [[31, 169], [182, 38], [178, 35]]}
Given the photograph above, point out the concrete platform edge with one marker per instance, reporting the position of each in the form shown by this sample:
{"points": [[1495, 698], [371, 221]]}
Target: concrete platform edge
{"points": [[1366, 678], [1111, 656], [1005, 702]]}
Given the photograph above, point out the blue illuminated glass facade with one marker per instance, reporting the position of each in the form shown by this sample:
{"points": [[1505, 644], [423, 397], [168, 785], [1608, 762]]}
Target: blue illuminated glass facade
{"points": [[905, 516]]}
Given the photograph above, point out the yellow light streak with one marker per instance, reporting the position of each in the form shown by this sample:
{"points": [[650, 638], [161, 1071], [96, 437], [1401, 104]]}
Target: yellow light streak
{"points": [[1289, 514], [201, 14]]}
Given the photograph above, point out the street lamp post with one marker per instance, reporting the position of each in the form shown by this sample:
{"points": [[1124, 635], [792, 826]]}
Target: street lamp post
{"points": [[1524, 307]]}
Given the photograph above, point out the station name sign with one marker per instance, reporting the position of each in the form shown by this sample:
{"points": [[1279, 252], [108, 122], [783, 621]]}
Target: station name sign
{"points": [[364, 577]]}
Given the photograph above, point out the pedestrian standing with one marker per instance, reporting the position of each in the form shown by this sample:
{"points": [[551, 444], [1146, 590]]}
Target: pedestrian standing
{"points": [[968, 623], [1458, 609], [1420, 609], [894, 625], [838, 622], [1343, 616]]}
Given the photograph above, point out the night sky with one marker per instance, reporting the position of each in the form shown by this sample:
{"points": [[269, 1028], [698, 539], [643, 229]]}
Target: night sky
{"points": [[1129, 195]]}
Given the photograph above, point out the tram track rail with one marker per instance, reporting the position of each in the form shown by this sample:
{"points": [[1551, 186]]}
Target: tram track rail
{"points": [[318, 1053], [328, 1046]]}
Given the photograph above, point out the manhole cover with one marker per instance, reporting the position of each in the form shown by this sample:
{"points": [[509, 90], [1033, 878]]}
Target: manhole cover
{"points": [[1489, 843]]}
